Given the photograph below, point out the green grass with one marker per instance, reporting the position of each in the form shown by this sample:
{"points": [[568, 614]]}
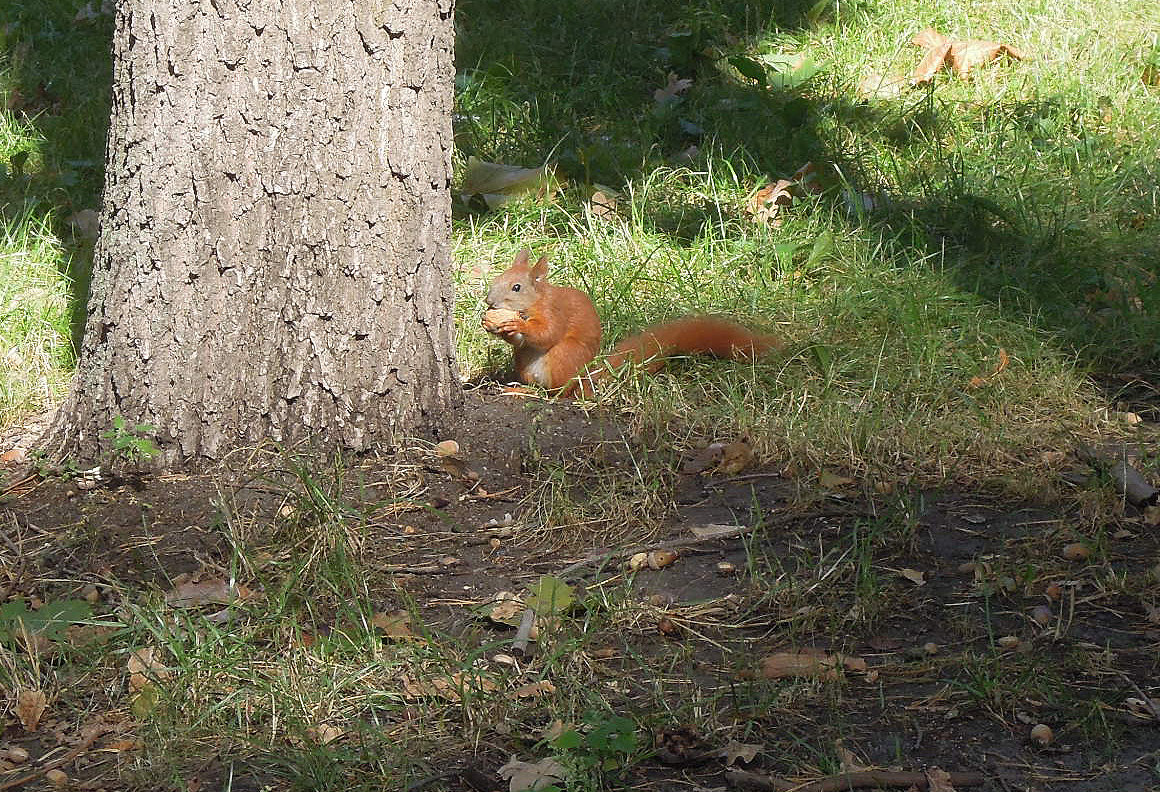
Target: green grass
{"points": [[1014, 211], [52, 137], [35, 355]]}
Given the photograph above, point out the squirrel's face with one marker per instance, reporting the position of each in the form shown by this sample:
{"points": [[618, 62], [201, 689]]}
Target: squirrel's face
{"points": [[517, 287], [515, 290]]}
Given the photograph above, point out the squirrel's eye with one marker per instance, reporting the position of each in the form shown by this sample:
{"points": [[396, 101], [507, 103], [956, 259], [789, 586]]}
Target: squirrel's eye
{"points": [[515, 287]]}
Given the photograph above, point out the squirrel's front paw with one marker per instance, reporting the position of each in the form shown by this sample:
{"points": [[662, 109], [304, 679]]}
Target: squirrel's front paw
{"points": [[501, 321]]}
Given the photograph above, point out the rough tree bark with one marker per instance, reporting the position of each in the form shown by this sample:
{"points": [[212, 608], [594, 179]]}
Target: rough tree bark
{"points": [[274, 251]]}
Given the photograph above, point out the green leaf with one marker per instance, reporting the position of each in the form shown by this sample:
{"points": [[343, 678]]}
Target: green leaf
{"points": [[617, 734], [50, 621], [144, 702], [568, 740], [549, 595], [823, 247], [749, 68]]}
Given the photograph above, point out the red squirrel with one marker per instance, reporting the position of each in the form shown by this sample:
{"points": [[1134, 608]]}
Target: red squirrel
{"points": [[555, 332]]}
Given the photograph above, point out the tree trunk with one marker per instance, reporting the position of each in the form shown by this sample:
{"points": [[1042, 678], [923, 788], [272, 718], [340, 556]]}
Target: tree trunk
{"points": [[274, 252]]}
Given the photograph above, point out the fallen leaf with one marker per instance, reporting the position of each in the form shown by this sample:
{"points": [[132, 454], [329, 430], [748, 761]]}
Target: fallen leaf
{"points": [[877, 86], [604, 202], [505, 609], [144, 702], [324, 733], [1000, 367], [532, 776], [832, 481], [766, 203], [938, 780], [914, 576], [736, 457], [448, 688], [497, 183], [672, 91], [30, 706], [210, 591], [745, 752], [807, 663], [549, 595], [396, 624], [961, 56], [534, 690], [143, 667]]}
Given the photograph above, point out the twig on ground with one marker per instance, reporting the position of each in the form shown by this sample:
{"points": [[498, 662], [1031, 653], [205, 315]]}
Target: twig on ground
{"points": [[743, 779], [1149, 702], [90, 736], [524, 633]]}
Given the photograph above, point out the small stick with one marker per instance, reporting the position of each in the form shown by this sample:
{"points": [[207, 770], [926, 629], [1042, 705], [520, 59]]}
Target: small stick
{"points": [[1149, 703], [524, 633], [743, 779], [90, 737]]}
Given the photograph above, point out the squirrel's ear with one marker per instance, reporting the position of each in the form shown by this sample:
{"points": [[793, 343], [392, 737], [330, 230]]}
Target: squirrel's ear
{"points": [[522, 258], [540, 271]]}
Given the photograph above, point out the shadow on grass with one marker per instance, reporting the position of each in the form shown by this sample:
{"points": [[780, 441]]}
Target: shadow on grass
{"points": [[573, 83], [58, 69]]}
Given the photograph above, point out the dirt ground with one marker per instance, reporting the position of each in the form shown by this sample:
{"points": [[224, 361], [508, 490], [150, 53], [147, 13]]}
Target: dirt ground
{"points": [[982, 628]]}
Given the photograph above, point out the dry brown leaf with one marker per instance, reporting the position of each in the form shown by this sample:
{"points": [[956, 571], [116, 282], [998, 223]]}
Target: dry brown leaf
{"points": [[534, 689], [930, 64], [745, 752], [30, 706], [144, 667], [448, 688], [532, 776], [1001, 366], [914, 576], [211, 591], [961, 56], [324, 733], [672, 90], [736, 457], [766, 203], [806, 663], [396, 624], [938, 780]]}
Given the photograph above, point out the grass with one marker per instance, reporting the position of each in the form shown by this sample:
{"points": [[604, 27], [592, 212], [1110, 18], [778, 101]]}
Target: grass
{"points": [[1015, 213], [1012, 217], [35, 352]]}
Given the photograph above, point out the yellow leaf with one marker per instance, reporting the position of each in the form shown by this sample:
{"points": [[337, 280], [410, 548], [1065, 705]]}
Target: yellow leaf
{"points": [[30, 706]]}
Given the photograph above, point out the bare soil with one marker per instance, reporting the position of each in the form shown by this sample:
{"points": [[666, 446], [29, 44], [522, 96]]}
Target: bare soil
{"points": [[959, 664]]}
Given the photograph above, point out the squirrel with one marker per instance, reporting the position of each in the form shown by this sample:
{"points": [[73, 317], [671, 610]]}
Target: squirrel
{"points": [[555, 333]]}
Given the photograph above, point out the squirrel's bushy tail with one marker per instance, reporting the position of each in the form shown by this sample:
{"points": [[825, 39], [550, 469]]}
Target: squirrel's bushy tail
{"points": [[696, 335]]}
